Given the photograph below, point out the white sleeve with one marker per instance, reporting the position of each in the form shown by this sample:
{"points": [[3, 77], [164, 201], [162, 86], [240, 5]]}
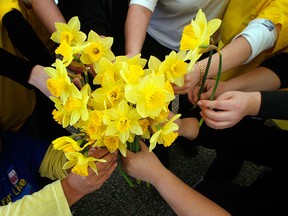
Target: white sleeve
{"points": [[260, 34], [149, 4]]}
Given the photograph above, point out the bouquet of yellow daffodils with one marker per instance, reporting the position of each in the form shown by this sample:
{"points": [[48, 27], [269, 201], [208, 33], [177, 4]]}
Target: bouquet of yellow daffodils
{"points": [[124, 100]]}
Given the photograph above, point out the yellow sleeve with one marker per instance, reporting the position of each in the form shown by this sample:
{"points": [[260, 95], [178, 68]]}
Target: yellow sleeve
{"points": [[50, 199], [51, 166], [6, 6], [276, 11], [239, 14]]}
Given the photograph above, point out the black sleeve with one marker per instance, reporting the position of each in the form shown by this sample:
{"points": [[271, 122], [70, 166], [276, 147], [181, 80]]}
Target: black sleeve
{"points": [[274, 104], [15, 68], [278, 64], [25, 39]]}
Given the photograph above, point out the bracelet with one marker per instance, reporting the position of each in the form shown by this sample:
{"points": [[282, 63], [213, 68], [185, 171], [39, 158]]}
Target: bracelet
{"points": [[202, 72]]}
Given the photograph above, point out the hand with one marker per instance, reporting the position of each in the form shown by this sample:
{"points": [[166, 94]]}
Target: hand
{"points": [[76, 186], [229, 108], [79, 68], [207, 91], [188, 127], [190, 81], [143, 165], [38, 78]]}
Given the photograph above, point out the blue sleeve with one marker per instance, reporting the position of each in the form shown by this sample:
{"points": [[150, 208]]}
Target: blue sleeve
{"points": [[28, 150]]}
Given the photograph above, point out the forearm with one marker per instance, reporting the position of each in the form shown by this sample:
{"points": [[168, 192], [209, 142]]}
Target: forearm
{"points": [[48, 12], [259, 79], [183, 199], [137, 21], [70, 194], [189, 128], [233, 55]]}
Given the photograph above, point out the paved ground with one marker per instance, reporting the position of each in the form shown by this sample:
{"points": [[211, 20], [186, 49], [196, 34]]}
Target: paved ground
{"points": [[116, 197]]}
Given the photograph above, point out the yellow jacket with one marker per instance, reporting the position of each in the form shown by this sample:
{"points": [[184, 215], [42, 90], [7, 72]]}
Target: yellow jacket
{"points": [[17, 102], [237, 16]]}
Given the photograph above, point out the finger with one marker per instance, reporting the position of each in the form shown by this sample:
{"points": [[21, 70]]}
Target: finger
{"points": [[213, 123], [217, 104], [190, 97], [98, 152], [216, 115], [143, 146], [195, 94], [104, 175], [104, 166]]}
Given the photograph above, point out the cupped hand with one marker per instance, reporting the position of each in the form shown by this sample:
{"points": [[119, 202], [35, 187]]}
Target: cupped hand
{"points": [[143, 165], [79, 186]]}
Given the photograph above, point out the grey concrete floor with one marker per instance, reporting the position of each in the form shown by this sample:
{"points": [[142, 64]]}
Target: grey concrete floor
{"points": [[116, 197]]}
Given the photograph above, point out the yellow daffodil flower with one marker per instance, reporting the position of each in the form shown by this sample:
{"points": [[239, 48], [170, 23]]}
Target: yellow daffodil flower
{"points": [[197, 34], [112, 143], [121, 121], [154, 64], [131, 73], [68, 53], [77, 107], [80, 163], [144, 123], [111, 93], [60, 115], [94, 126], [60, 84], [69, 32], [67, 144], [165, 135], [174, 67], [150, 96], [98, 47], [105, 72]]}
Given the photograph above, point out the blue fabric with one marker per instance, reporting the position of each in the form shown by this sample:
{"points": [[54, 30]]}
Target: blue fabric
{"points": [[20, 160]]}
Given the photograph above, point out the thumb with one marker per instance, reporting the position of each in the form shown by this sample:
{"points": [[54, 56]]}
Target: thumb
{"points": [[143, 146]]}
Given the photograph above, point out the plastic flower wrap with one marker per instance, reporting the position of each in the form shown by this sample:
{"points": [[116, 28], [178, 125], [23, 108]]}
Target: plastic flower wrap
{"points": [[121, 102]]}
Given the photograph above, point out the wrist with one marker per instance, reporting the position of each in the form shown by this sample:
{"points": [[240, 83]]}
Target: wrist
{"points": [[38, 78], [255, 101], [71, 195]]}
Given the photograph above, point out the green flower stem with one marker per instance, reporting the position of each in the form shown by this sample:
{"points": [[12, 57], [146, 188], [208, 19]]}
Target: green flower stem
{"points": [[125, 176], [216, 84], [136, 144], [86, 76], [205, 74], [218, 75]]}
